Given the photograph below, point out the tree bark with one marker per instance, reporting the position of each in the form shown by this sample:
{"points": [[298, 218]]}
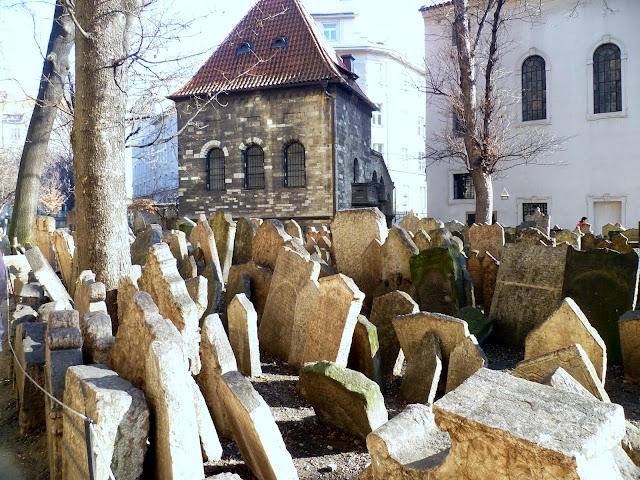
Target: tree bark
{"points": [[54, 72], [98, 138], [483, 185]]}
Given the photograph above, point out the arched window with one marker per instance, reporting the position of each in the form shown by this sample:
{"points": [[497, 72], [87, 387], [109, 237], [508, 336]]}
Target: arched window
{"points": [[534, 89], [374, 177], [253, 167], [607, 79], [356, 170], [215, 169], [294, 160]]}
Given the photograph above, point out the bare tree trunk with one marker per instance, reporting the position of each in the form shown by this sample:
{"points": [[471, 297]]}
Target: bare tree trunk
{"points": [[98, 138], [54, 72], [483, 185]]}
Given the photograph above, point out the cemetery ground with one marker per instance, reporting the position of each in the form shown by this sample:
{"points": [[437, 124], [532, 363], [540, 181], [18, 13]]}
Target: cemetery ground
{"points": [[319, 451]]}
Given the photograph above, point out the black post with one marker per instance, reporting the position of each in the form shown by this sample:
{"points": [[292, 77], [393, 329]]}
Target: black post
{"points": [[89, 441]]}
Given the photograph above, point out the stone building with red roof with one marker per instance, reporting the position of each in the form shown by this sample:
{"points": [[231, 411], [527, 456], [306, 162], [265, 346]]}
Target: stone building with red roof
{"points": [[274, 125]]}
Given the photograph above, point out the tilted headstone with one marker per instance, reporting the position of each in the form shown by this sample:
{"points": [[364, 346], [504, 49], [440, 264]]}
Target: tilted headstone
{"points": [[430, 224], [151, 235], [305, 309], [224, 230], [424, 367], [330, 330], [243, 244], [161, 280], [213, 270], [564, 327], [440, 237], [490, 268], [573, 359], [46, 276], [177, 241], [217, 358], [364, 356], [45, 226], [293, 228], [64, 248], [487, 238], [209, 441], [121, 424], [396, 251], [384, 310], [254, 430], [343, 398], [604, 284], [409, 222], [474, 267], [243, 335], [629, 327], [353, 231], [268, 243], [437, 276], [568, 236], [533, 236], [371, 261], [422, 240], [465, 360], [259, 285], [528, 288], [292, 273]]}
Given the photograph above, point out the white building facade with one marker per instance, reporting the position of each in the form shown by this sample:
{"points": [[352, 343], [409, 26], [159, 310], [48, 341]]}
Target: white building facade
{"points": [[155, 160], [578, 64], [387, 55]]}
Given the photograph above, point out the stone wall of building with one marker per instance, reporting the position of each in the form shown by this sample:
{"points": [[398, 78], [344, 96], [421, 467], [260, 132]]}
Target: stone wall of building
{"points": [[270, 119]]}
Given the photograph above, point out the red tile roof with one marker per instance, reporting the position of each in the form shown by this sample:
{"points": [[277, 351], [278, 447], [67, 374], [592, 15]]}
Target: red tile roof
{"points": [[307, 59]]}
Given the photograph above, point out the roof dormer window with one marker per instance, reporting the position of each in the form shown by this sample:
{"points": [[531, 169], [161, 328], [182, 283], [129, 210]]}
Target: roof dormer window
{"points": [[244, 48], [280, 42]]}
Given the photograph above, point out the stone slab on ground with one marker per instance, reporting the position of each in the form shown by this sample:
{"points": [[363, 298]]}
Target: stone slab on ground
{"points": [[46, 276], [254, 430], [121, 426], [343, 398]]}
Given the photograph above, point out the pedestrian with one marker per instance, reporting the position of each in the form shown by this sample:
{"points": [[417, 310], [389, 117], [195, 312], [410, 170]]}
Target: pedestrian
{"points": [[582, 221]]}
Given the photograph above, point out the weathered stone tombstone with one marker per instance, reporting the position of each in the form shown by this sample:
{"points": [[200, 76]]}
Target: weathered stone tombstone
{"points": [[487, 238], [330, 330], [343, 398], [440, 237], [243, 245], [430, 224], [254, 429], [371, 261], [603, 284], [464, 361], [293, 271], [528, 288], [533, 236], [224, 231], [64, 248], [620, 243], [422, 240], [409, 222], [177, 241], [629, 326], [213, 270], [587, 241], [46, 276], [45, 226], [352, 232], [609, 227], [570, 237], [151, 235], [573, 359], [121, 423], [258, 288], [161, 280], [268, 242], [383, 311], [396, 252], [436, 274], [474, 267], [542, 222], [243, 335], [424, 368], [305, 307], [30, 350], [363, 355], [293, 228], [97, 337], [89, 295], [564, 327]]}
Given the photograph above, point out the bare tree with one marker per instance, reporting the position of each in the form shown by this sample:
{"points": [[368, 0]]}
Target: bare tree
{"points": [[483, 138], [54, 73]]}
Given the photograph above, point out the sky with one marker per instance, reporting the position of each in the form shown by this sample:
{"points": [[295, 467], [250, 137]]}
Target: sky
{"points": [[24, 33]]}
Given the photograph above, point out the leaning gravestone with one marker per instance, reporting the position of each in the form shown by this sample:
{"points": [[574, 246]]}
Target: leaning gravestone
{"points": [[243, 242], [352, 232], [268, 242], [151, 235], [224, 230], [47, 277], [409, 222], [364, 356], [243, 335], [528, 289], [343, 398], [604, 284], [396, 251], [306, 302], [487, 238], [629, 326], [424, 367], [64, 248]]}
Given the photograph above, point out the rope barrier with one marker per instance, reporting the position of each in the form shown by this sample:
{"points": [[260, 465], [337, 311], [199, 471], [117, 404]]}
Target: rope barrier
{"points": [[89, 424]]}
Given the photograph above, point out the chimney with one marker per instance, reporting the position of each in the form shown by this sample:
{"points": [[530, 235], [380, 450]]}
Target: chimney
{"points": [[348, 61]]}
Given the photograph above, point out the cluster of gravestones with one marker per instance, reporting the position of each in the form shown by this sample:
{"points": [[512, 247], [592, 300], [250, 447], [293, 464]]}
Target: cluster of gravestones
{"points": [[347, 307]]}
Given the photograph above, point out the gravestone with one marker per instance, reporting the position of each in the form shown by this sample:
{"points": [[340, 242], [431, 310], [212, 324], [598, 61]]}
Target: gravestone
{"points": [[384, 310], [604, 284], [305, 308], [177, 241], [533, 236], [243, 244], [330, 330], [564, 327], [396, 252], [465, 360], [424, 367], [430, 224], [224, 231], [364, 356], [343, 398], [541, 221], [353, 231], [568, 236], [422, 240], [371, 261], [150, 235], [487, 238], [268, 242], [292, 273], [474, 267], [529, 286], [64, 247], [46, 276], [243, 335], [259, 285], [30, 351], [409, 222], [293, 228], [629, 327], [573, 359]]}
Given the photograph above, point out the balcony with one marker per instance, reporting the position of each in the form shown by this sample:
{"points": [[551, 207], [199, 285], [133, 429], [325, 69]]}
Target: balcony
{"points": [[365, 194]]}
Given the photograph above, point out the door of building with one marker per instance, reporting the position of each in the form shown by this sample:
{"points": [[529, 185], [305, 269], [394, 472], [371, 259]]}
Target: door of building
{"points": [[605, 212]]}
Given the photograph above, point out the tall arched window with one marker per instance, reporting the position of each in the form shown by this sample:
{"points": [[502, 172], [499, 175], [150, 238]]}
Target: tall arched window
{"points": [[294, 160], [534, 89], [254, 167], [356, 170], [607, 79], [215, 169]]}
